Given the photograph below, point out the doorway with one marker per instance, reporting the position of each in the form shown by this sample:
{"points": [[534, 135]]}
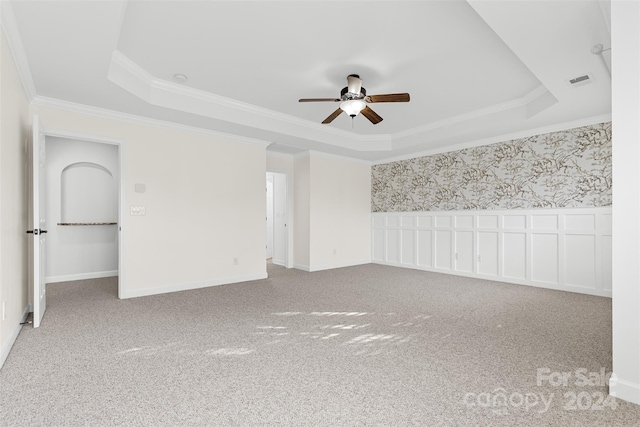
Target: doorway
{"points": [[82, 205], [83, 180], [277, 237], [75, 187]]}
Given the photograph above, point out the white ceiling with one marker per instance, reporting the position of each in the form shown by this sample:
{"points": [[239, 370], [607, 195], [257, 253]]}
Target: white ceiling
{"points": [[476, 70]]}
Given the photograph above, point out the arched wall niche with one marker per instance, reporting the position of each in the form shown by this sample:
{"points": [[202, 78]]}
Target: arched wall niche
{"points": [[88, 194]]}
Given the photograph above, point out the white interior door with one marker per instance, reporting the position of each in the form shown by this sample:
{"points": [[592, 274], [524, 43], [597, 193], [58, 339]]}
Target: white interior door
{"points": [[269, 215], [280, 235], [38, 222]]}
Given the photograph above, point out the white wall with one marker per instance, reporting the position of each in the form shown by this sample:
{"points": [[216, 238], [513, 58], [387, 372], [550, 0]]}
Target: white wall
{"points": [[301, 212], [280, 162], [204, 201], [14, 129], [340, 212], [81, 252], [565, 249], [625, 51], [336, 192]]}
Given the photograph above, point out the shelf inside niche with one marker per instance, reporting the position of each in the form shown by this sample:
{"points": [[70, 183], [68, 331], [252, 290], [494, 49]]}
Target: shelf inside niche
{"points": [[87, 196], [87, 223]]}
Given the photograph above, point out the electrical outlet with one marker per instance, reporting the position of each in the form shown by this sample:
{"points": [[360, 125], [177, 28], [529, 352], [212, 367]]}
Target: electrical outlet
{"points": [[335, 251], [4, 312], [235, 261]]}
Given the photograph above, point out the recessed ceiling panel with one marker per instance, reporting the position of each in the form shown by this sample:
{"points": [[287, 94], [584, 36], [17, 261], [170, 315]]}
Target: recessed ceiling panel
{"points": [[270, 54]]}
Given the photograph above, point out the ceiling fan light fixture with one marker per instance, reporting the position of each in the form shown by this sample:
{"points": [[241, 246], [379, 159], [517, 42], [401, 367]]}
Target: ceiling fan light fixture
{"points": [[353, 107], [354, 99]]}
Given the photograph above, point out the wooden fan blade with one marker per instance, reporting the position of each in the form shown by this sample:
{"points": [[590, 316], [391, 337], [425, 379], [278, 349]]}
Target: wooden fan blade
{"points": [[332, 116], [371, 115], [319, 100], [391, 97]]}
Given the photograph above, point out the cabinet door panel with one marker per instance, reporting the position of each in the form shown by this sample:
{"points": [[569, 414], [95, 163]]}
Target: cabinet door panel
{"points": [[443, 249], [408, 247], [488, 253], [580, 261], [425, 239], [544, 258], [393, 249], [514, 255], [464, 251]]}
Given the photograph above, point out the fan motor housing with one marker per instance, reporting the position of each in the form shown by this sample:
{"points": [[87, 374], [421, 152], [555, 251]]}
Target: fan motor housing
{"points": [[346, 95]]}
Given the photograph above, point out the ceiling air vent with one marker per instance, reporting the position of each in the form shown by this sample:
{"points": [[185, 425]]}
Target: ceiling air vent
{"points": [[581, 80]]}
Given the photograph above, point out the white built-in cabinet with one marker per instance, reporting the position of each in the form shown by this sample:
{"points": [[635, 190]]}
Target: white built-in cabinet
{"points": [[566, 249]]}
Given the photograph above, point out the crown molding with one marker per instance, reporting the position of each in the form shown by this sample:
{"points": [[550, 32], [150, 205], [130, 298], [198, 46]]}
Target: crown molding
{"points": [[315, 153], [145, 121], [103, 113], [14, 40], [131, 77], [122, 64], [63, 133], [500, 138], [534, 94], [279, 154], [475, 114]]}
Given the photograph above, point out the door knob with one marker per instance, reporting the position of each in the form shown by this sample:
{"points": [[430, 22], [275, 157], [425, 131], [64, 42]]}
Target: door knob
{"points": [[36, 231]]}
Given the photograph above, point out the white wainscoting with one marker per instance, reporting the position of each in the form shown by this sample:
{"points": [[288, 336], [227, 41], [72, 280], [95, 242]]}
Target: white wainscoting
{"points": [[565, 249]]}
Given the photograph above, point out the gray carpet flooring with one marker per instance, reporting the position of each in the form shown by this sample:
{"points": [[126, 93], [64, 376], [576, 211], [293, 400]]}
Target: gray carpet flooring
{"points": [[361, 346]]}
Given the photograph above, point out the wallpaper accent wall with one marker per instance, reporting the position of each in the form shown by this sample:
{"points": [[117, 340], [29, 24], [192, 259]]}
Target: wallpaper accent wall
{"points": [[565, 169]]}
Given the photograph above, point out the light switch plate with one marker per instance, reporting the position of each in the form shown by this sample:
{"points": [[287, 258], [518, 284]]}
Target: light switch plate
{"points": [[138, 210]]}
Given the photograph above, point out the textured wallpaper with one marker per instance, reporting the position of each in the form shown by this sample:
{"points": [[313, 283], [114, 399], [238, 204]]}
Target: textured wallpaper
{"points": [[564, 169]]}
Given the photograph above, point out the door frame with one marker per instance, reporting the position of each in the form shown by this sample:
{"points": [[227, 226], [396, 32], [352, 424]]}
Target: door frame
{"points": [[269, 249], [289, 218], [60, 133]]}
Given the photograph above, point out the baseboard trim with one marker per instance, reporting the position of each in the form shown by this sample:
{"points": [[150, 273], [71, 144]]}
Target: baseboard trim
{"points": [[302, 267], [81, 276], [512, 281], [341, 265], [6, 348], [189, 286], [281, 262], [624, 390], [312, 268]]}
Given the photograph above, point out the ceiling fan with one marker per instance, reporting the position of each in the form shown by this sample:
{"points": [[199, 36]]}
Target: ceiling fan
{"points": [[354, 100]]}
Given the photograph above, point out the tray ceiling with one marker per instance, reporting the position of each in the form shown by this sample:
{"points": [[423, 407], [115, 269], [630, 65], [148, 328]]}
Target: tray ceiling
{"points": [[475, 70]]}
